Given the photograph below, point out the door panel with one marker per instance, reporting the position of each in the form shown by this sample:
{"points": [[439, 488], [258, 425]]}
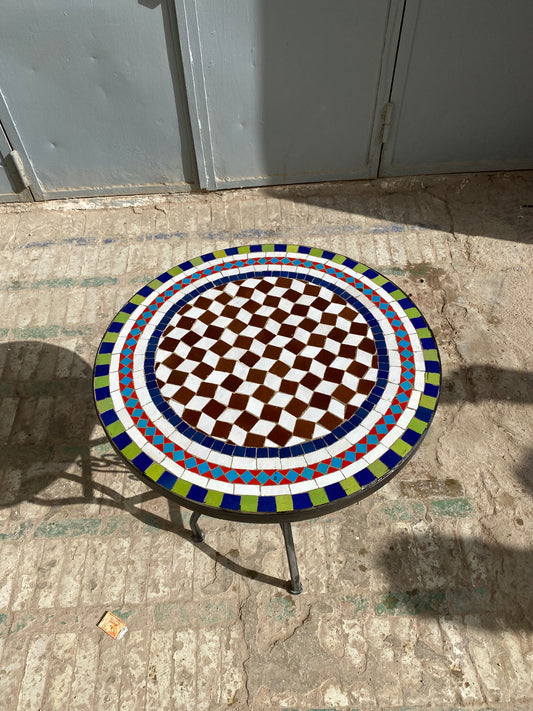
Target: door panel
{"points": [[95, 90], [288, 91], [461, 95]]}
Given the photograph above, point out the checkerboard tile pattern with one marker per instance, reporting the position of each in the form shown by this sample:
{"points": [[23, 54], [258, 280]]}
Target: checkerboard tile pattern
{"points": [[268, 379], [266, 362]]}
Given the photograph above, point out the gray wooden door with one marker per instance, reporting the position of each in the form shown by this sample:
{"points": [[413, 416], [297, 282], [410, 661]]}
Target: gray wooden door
{"points": [[287, 90], [462, 97], [96, 95]]}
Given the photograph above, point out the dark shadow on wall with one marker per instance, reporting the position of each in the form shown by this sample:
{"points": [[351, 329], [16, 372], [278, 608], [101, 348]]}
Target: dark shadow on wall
{"points": [[48, 416]]}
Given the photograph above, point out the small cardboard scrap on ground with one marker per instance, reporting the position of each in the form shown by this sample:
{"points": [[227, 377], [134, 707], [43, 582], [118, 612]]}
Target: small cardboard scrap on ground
{"points": [[112, 625]]}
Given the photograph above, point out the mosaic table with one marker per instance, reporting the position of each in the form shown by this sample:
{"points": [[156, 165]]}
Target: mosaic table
{"points": [[268, 384]]}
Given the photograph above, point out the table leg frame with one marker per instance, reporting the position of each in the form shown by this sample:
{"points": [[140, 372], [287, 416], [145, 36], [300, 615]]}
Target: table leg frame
{"points": [[295, 586]]}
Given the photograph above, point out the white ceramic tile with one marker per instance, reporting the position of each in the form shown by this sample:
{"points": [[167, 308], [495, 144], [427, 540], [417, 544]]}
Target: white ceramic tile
{"points": [[155, 454], [419, 382], [274, 490], [302, 487], [331, 478]]}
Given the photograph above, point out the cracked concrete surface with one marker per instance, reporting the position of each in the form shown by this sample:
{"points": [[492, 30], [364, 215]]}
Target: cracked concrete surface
{"points": [[419, 597]]}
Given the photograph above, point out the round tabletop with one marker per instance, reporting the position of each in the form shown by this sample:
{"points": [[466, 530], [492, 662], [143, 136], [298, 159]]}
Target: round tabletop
{"points": [[267, 382]]}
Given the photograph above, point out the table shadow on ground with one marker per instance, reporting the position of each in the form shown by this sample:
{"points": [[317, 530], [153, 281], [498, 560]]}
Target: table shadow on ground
{"points": [[46, 393]]}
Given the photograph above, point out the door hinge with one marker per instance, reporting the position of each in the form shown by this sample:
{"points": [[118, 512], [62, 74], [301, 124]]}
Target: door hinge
{"points": [[18, 165], [386, 117]]}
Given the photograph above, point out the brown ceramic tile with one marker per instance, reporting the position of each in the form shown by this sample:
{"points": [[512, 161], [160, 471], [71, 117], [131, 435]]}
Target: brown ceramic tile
{"points": [[280, 369], [264, 286], [330, 421], [249, 359], [311, 290], [325, 357], [272, 301], [328, 319], [350, 411], [230, 312], [244, 342], [245, 292], [336, 299], [304, 429], [295, 346], [299, 310], [287, 331], [220, 348], [317, 340], [226, 365], [214, 409], [207, 317], [197, 354], [302, 363], [375, 361], [231, 383], [271, 413], [238, 401], [348, 314], [308, 324], [169, 344], [173, 361], [207, 390], [265, 336], [258, 321], [357, 369], [263, 393], [191, 417], [272, 352], [333, 375], [221, 430], [203, 370], [320, 400], [253, 440], [337, 334], [190, 338], [278, 315], [177, 377], [214, 332], [256, 376], [343, 393], [296, 407], [310, 381], [292, 295], [365, 386], [346, 351], [367, 345], [321, 304], [358, 329], [280, 435], [183, 395], [237, 326], [288, 386], [246, 421], [251, 306]]}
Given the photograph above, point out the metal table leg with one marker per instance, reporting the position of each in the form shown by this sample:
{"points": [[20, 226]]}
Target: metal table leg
{"points": [[197, 534], [296, 586]]}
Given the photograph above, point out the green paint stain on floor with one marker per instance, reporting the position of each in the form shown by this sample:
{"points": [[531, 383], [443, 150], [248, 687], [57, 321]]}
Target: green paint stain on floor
{"points": [[280, 608], [359, 603], [69, 529], [456, 508], [404, 510], [99, 281]]}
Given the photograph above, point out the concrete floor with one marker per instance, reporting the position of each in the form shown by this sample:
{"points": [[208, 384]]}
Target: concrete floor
{"points": [[419, 597]]}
